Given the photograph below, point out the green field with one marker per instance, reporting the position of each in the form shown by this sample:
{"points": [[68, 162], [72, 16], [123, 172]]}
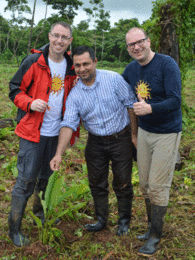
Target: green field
{"points": [[69, 240]]}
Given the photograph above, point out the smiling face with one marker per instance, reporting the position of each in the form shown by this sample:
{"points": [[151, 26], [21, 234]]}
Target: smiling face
{"points": [[85, 68], [140, 52], [60, 38]]}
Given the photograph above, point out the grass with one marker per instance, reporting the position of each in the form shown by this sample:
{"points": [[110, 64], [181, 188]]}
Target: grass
{"points": [[189, 90], [7, 109], [74, 242]]}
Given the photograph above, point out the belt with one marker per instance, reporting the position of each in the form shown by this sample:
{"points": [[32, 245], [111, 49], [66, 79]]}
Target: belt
{"points": [[107, 137]]}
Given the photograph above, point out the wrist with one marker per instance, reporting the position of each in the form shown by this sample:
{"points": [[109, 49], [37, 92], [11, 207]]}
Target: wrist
{"points": [[149, 109], [58, 154]]}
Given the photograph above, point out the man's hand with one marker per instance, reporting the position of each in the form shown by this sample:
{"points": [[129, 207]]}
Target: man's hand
{"points": [[63, 141], [38, 105], [141, 108], [55, 162]]}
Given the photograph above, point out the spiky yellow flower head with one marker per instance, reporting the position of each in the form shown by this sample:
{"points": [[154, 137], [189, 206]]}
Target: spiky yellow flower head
{"points": [[143, 89], [57, 84]]}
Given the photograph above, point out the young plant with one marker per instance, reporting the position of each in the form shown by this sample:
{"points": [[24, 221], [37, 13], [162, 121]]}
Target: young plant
{"points": [[54, 195], [11, 166]]}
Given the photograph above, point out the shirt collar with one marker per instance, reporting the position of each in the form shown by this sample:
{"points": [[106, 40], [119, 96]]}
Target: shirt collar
{"points": [[95, 84]]}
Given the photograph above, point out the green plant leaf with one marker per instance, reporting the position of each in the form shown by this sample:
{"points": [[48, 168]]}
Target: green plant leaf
{"points": [[37, 220]]}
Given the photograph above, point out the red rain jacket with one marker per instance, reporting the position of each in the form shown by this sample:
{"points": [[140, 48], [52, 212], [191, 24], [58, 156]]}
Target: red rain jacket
{"points": [[33, 81]]}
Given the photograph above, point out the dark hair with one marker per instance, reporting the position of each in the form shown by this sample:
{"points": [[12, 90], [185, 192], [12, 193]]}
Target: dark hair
{"points": [[66, 25], [82, 49]]}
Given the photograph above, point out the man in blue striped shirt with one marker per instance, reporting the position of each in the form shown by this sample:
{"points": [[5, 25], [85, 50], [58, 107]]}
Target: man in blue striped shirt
{"points": [[104, 102]]}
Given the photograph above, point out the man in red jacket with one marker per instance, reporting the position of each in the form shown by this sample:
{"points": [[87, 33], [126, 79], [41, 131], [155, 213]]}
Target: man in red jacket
{"points": [[39, 89]]}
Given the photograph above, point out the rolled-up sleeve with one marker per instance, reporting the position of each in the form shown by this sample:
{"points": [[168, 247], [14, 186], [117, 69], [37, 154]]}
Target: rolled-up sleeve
{"points": [[71, 116]]}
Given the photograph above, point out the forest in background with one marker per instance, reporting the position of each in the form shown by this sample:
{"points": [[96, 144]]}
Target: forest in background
{"points": [[171, 28], [19, 35]]}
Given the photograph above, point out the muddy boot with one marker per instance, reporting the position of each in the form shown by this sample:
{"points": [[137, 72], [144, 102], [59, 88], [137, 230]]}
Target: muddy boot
{"points": [[124, 211], [148, 210], [18, 205], [151, 246], [101, 211]]}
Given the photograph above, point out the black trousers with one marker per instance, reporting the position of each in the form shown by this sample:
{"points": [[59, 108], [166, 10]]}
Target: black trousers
{"points": [[98, 153]]}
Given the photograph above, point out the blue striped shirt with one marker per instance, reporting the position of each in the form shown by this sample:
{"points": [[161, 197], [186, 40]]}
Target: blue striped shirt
{"points": [[102, 106]]}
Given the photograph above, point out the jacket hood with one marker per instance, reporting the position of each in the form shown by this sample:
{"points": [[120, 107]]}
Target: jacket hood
{"points": [[45, 50], [42, 49]]}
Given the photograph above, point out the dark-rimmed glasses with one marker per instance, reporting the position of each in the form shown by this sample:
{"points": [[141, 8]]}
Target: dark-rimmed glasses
{"points": [[139, 43], [63, 37]]}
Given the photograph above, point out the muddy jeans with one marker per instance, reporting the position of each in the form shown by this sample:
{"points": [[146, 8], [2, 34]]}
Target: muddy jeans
{"points": [[33, 163], [156, 157]]}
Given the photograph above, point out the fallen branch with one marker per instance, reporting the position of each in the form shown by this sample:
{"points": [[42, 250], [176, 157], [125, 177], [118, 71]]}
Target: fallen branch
{"points": [[7, 122]]}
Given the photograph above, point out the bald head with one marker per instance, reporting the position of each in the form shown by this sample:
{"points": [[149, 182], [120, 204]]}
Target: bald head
{"points": [[135, 30], [138, 45]]}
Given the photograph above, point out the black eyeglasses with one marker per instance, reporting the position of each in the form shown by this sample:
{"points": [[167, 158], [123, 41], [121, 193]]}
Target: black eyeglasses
{"points": [[63, 37], [139, 43]]}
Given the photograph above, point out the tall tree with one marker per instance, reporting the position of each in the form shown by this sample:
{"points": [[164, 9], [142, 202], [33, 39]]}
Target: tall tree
{"points": [[66, 8], [83, 25], [18, 7], [93, 14], [43, 25], [103, 25], [169, 14], [31, 28], [175, 21], [4, 29]]}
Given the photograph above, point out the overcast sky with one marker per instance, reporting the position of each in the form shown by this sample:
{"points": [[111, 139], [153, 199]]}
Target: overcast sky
{"points": [[119, 9]]}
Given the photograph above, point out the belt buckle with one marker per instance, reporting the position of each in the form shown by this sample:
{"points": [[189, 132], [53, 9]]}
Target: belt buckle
{"points": [[115, 135]]}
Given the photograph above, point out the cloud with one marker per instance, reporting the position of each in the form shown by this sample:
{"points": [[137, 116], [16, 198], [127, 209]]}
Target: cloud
{"points": [[119, 9]]}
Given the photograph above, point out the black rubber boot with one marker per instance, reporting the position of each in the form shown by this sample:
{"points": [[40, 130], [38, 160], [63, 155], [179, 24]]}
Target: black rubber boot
{"points": [[124, 211], [37, 206], [148, 210], [101, 211], [151, 246], [18, 205]]}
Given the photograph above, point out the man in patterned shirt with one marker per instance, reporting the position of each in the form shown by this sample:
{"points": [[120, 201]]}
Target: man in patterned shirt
{"points": [[39, 89], [104, 102]]}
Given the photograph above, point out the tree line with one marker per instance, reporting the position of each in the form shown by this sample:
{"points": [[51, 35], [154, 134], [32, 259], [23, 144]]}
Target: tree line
{"points": [[19, 34]]}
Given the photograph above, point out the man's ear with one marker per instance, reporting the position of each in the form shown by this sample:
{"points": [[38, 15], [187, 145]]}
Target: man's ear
{"points": [[71, 40]]}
